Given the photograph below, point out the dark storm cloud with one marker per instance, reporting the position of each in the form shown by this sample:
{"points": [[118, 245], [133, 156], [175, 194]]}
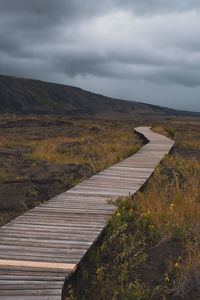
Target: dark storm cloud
{"points": [[160, 6], [154, 43]]}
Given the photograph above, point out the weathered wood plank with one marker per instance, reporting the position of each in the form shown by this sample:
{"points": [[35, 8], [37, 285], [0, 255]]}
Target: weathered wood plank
{"points": [[65, 259], [31, 277], [29, 293], [37, 264], [31, 285], [29, 297]]}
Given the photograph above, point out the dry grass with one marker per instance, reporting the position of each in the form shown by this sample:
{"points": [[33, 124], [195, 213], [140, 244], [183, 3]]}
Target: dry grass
{"points": [[41, 157], [4, 175], [186, 136], [166, 214], [188, 271], [173, 201], [100, 150]]}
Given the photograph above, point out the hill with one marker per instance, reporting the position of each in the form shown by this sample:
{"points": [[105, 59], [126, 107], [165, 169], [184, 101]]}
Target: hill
{"points": [[27, 96]]}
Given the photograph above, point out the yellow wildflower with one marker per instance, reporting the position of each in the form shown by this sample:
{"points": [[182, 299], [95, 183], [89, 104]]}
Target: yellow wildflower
{"points": [[98, 271], [147, 213], [130, 211], [151, 226], [118, 214], [166, 277], [176, 265]]}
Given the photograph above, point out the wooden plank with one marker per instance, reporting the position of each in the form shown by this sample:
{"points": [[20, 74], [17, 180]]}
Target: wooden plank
{"points": [[31, 277], [41, 235], [51, 229], [29, 284], [32, 271], [37, 264], [34, 257], [62, 242], [33, 297], [43, 245], [27, 293], [54, 227], [72, 258], [41, 250]]}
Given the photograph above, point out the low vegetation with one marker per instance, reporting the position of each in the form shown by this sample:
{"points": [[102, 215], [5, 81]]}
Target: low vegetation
{"points": [[100, 147], [43, 157], [150, 249]]}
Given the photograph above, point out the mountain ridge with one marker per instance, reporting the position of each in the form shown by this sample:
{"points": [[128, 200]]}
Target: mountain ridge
{"points": [[29, 96]]}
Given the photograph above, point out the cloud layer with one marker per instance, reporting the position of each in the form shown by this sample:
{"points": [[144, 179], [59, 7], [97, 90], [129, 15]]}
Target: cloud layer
{"points": [[141, 50]]}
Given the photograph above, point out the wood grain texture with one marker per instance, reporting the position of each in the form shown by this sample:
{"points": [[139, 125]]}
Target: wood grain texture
{"points": [[41, 248]]}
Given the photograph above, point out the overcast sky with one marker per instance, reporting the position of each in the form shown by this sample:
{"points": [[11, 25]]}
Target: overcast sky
{"points": [[143, 50]]}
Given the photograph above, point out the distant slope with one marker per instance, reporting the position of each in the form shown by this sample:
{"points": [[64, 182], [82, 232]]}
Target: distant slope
{"points": [[26, 96]]}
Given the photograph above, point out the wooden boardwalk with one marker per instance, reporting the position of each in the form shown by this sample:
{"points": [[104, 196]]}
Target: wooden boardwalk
{"points": [[42, 247]]}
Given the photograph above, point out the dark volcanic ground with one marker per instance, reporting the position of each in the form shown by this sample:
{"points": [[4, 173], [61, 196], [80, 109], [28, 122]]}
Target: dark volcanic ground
{"points": [[28, 183], [24, 182]]}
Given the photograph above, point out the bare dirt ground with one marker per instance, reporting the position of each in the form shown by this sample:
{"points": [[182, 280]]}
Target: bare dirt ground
{"points": [[27, 180]]}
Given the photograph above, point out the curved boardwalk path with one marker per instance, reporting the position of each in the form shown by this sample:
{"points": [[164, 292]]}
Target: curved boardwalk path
{"points": [[41, 248]]}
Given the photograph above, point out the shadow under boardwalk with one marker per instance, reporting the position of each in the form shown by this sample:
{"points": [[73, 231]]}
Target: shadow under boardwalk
{"points": [[42, 247]]}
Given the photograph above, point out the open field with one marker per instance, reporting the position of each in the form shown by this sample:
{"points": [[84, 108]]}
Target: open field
{"points": [[41, 157], [150, 249]]}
